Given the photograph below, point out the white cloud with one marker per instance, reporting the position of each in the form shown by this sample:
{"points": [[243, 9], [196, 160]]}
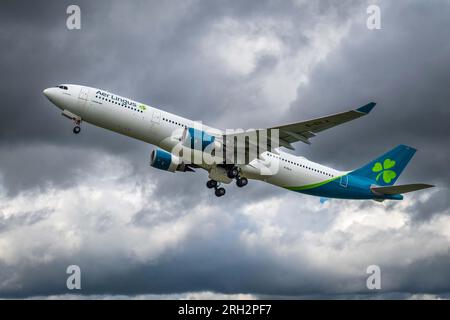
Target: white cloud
{"points": [[425, 297], [201, 295], [236, 47], [358, 236], [95, 217]]}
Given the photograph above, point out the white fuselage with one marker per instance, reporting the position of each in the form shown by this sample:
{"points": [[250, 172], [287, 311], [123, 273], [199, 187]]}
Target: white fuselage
{"points": [[157, 127]]}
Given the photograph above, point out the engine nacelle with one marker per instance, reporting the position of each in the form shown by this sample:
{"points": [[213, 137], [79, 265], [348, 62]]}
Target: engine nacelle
{"points": [[166, 161]]}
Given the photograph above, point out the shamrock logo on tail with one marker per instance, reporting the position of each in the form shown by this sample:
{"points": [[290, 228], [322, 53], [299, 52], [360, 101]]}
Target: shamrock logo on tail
{"points": [[383, 170]]}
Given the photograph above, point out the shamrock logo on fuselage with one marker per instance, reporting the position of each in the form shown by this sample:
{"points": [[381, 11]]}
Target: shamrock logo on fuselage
{"points": [[383, 170]]}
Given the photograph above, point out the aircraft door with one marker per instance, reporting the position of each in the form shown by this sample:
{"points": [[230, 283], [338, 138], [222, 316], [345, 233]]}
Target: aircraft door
{"points": [[83, 98], [84, 94], [344, 181], [156, 117]]}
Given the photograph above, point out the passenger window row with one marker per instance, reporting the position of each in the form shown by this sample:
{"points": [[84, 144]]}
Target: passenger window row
{"points": [[119, 104], [300, 165], [174, 122]]}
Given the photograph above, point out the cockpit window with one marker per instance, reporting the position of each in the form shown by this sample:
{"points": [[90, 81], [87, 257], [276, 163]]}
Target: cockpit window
{"points": [[63, 87]]}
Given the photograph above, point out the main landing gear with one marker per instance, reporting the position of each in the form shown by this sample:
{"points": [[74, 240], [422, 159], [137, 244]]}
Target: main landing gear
{"points": [[213, 184], [241, 182], [232, 173]]}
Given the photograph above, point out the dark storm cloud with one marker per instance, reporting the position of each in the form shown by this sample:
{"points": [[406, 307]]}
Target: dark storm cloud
{"points": [[150, 51], [147, 51], [439, 203], [404, 68], [207, 265]]}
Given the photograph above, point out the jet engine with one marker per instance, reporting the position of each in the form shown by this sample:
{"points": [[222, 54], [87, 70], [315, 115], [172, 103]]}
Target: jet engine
{"points": [[166, 161]]}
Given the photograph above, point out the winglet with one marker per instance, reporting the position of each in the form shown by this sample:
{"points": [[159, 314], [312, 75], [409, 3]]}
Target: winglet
{"points": [[367, 108]]}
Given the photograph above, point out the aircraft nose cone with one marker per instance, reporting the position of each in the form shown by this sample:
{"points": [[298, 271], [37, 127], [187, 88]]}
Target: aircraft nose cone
{"points": [[49, 93], [46, 92]]}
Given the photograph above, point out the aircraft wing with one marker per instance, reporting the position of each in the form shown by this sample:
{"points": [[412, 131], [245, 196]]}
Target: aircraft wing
{"points": [[300, 131], [303, 131]]}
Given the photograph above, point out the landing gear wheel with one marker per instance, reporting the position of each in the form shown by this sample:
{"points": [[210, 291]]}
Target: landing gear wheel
{"points": [[233, 173], [241, 182], [76, 130], [211, 184], [220, 192]]}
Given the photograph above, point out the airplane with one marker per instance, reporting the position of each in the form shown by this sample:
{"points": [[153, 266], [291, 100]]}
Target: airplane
{"points": [[166, 131]]}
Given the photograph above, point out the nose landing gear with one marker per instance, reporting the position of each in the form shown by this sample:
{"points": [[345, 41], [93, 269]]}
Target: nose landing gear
{"points": [[77, 128], [76, 119]]}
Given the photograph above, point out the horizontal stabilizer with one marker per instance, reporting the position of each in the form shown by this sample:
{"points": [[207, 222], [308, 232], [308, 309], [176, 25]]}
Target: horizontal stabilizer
{"points": [[391, 190]]}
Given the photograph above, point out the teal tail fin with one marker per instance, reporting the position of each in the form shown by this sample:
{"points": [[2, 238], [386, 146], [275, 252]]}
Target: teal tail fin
{"points": [[385, 170]]}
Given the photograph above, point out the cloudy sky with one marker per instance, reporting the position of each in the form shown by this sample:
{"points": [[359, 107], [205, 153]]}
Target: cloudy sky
{"points": [[92, 200]]}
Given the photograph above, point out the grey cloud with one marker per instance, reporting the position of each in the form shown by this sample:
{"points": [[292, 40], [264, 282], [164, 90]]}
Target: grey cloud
{"points": [[396, 68], [23, 219], [437, 204], [151, 51]]}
